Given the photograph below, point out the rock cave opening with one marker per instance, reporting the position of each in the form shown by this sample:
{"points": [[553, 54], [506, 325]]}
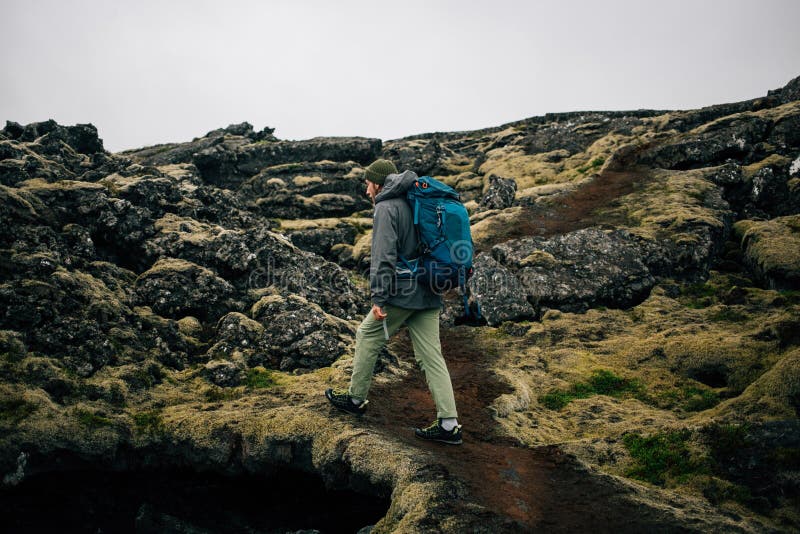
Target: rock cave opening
{"points": [[183, 501]]}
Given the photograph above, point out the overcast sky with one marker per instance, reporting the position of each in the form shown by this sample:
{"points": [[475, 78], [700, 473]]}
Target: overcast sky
{"points": [[147, 72]]}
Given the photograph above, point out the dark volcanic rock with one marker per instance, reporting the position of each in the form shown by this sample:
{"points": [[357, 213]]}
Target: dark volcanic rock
{"points": [[102, 260], [573, 132], [321, 240], [52, 152], [228, 164], [788, 93], [307, 190], [499, 292], [223, 373], [81, 137], [227, 157], [578, 270], [743, 136], [729, 138], [83, 318], [175, 288], [171, 153], [771, 250], [500, 194], [298, 333], [423, 156], [253, 158], [255, 258]]}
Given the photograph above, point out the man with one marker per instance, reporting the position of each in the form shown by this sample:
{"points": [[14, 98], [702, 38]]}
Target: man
{"points": [[397, 301]]}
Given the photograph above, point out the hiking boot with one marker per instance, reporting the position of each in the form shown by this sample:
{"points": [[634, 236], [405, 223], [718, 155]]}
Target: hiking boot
{"points": [[435, 432], [343, 401]]}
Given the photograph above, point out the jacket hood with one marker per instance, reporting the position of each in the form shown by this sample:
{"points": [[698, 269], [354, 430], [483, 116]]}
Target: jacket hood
{"points": [[396, 185]]}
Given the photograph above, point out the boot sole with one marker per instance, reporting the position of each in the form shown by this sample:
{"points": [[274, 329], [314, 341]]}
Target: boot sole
{"points": [[448, 442], [355, 410]]}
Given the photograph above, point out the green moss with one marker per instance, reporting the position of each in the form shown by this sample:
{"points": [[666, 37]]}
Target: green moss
{"points": [[15, 410], [601, 382], [218, 394], [791, 296], [555, 400], [698, 399], [787, 457], [728, 314], [149, 422], [718, 491], [662, 457], [772, 247], [594, 164], [727, 440], [605, 382], [259, 377], [698, 295], [91, 419], [688, 398]]}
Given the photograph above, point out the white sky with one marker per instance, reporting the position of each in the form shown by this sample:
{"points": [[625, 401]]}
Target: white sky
{"points": [[147, 72]]}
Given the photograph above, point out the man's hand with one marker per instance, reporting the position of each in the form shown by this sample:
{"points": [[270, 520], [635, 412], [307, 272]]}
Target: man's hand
{"points": [[378, 313]]}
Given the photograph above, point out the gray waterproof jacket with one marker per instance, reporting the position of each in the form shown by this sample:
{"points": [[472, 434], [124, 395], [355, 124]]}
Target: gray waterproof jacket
{"points": [[392, 233]]}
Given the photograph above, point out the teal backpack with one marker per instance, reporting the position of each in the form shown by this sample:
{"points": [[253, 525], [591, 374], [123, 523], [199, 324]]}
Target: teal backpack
{"points": [[442, 225]]}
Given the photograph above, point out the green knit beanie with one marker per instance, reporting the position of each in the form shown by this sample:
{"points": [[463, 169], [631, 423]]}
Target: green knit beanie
{"points": [[379, 170]]}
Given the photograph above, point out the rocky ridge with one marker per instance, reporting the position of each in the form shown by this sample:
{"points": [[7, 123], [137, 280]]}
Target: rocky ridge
{"points": [[185, 304]]}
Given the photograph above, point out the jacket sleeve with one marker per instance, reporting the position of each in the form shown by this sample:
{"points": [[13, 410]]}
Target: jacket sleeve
{"points": [[384, 254]]}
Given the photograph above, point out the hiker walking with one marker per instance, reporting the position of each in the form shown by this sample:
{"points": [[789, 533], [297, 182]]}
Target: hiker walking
{"points": [[398, 300]]}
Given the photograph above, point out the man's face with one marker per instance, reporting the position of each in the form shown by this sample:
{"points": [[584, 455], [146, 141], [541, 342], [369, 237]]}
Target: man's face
{"points": [[372, 190]]}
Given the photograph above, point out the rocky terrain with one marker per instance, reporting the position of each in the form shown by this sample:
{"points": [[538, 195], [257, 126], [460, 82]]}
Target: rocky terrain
{"points": [[183, 306]]}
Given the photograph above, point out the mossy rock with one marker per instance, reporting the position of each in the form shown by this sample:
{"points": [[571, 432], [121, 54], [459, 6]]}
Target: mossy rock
{"points": [[772, 249], [174, 288], [776, 393]]}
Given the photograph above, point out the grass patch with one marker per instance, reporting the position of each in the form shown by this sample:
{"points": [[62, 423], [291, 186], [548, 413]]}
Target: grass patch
{"points": [[792, 296], [218, 394], [728, 315], [699, 295], [149, 422], [259, 378], [718, 491], [726, 441], [594, 164], [662, 457], [693, 397], [697, 399], [787, 457], [601, 382], [92, 420], [15, 410]]}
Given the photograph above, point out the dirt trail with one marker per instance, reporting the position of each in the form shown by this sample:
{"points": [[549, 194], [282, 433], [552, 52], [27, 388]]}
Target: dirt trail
{"points": [[539, 488], [574, 210]]}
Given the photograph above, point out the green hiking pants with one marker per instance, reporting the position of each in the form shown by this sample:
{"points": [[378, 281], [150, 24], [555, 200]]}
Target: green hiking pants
{"points": [[423, 326]]}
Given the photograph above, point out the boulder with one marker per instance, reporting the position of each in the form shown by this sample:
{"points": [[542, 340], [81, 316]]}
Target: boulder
{"points": [[230, 162], [223, 373], [307, 190], [578, 270], [423, 156], [498, 291], [321, 240], [82, 138], [772, 250], [500, 194], [237, 333], [298, 333], [174, 288], [255, 258]]}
